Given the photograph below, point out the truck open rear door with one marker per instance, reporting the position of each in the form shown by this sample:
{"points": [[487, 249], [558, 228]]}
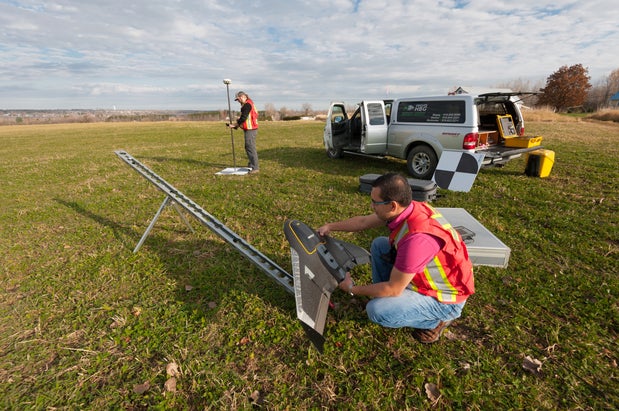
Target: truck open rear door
{"points": [[374, 126]]}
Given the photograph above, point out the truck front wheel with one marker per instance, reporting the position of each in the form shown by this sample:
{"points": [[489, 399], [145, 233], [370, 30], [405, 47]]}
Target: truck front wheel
{"points": [[334, 152], [421, 162]]}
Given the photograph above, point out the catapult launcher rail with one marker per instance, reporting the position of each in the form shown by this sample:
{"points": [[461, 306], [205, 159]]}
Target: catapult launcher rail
{"points": [[175, 198]]}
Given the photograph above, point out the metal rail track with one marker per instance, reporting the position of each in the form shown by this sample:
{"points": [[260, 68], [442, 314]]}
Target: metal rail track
{"points": [[174, 197]]}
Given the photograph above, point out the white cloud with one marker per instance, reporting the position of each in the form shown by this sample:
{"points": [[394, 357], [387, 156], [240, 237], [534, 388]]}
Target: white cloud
{"points": [[169, 55]]}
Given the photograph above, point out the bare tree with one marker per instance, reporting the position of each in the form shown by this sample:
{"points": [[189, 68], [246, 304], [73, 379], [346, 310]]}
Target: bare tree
{"points": [[596, 98], [283, 112], [524, 86], [307, 109], [612, 85], [270, 111], [600, 94], [223, 114]]}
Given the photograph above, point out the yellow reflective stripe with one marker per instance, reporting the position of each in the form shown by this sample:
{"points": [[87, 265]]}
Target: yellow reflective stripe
{"points": [[252, 118], [446, 225], [436, 277], [403, 231]]}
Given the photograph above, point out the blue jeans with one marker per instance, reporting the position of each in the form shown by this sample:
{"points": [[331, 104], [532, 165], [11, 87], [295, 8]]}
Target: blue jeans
{"points": [[409, 309]]}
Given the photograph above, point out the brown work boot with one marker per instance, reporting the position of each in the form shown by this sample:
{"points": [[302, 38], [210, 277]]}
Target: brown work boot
{"points": [[431, 336]]}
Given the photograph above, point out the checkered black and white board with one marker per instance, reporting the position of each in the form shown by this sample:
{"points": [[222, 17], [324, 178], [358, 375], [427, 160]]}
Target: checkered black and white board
{"points": [[457, 170]]}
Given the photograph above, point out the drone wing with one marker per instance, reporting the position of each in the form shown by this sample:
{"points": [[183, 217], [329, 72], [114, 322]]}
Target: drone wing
{"points": [[318, 265]]}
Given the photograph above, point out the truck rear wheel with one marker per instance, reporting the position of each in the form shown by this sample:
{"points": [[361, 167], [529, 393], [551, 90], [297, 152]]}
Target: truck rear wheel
{"points": [[421, 162]]}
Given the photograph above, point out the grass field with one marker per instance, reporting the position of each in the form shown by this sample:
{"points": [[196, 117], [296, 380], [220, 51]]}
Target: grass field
{"points": [[187, 323]]}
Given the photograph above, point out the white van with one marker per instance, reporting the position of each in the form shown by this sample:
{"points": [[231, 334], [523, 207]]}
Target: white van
{"points": [[418, 129]]}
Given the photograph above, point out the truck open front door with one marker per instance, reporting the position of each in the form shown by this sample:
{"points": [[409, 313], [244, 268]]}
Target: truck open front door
{"points": [[337, 130]]}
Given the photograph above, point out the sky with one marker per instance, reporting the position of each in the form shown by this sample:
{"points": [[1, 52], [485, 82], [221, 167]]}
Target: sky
{"points": [[175, 54]]}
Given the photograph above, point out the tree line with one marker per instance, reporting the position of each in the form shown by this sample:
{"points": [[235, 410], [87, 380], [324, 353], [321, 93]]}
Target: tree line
{"points": [[570, 89]]}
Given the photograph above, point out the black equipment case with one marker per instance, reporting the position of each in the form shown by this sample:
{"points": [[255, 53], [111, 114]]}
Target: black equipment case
{"points": [[423, 190]]}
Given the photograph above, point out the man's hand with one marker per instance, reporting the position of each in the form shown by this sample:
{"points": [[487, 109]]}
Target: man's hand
{"points": [[323, 230], [347, 284]]}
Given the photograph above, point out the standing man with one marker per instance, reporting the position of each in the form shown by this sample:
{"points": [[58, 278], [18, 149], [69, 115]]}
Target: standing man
{"points": [[248, 121], [421, 273]]}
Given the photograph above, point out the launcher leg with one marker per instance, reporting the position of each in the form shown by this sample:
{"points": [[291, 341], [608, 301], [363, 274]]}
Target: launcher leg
{"points": [[178, 210], [152, 224]]}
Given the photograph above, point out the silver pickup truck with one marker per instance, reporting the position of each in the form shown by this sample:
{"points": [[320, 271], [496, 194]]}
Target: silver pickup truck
{"points": [[418, 129]]}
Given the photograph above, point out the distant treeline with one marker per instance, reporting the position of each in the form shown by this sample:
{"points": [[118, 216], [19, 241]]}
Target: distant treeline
{"points": [[11, 117]]}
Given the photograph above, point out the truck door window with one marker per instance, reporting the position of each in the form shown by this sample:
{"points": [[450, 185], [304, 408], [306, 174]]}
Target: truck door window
{"points": [[337, 114], [432, 112], [376, 114]]}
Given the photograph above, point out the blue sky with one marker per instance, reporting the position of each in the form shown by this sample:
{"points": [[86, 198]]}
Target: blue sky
{"points": [[174, 54]]}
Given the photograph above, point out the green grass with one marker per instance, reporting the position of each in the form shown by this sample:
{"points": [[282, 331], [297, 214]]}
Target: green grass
{"points": [[85, 322]]}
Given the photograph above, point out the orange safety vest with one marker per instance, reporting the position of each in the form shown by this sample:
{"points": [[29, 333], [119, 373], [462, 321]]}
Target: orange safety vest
{"points": [[251, 123], [448, 277]]}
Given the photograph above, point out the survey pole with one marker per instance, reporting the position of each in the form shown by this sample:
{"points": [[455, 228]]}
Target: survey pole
{"points": [[227, 82]]}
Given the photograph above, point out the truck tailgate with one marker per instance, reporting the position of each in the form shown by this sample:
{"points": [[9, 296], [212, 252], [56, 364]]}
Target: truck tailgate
{"points": [[501, 154]]}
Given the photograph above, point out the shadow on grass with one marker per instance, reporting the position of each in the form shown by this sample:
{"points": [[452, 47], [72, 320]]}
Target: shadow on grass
{"points": [[314, 159], [121, 232], [500, 171], [188, 161], [206, 270], [352, 165], [310, 159]]}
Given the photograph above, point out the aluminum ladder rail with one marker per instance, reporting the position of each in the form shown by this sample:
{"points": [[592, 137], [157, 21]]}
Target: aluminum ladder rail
{"points": [[172, 194]]}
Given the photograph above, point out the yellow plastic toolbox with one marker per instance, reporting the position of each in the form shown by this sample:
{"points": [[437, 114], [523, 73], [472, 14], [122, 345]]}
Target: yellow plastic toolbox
{"points": [[523, 142], [539, 163]]}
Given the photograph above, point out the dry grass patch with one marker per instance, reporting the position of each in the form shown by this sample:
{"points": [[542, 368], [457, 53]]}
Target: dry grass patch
{"points": [[545, 114], [606, 115]]}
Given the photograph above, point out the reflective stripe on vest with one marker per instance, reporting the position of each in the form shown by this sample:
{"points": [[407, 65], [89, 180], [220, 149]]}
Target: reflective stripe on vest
{"points": [[445, 224], [251, 122], [435, 275]]}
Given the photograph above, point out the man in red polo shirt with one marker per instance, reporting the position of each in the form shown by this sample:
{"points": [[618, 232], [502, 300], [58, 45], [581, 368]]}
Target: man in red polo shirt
{"points": [[421, 274]]}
